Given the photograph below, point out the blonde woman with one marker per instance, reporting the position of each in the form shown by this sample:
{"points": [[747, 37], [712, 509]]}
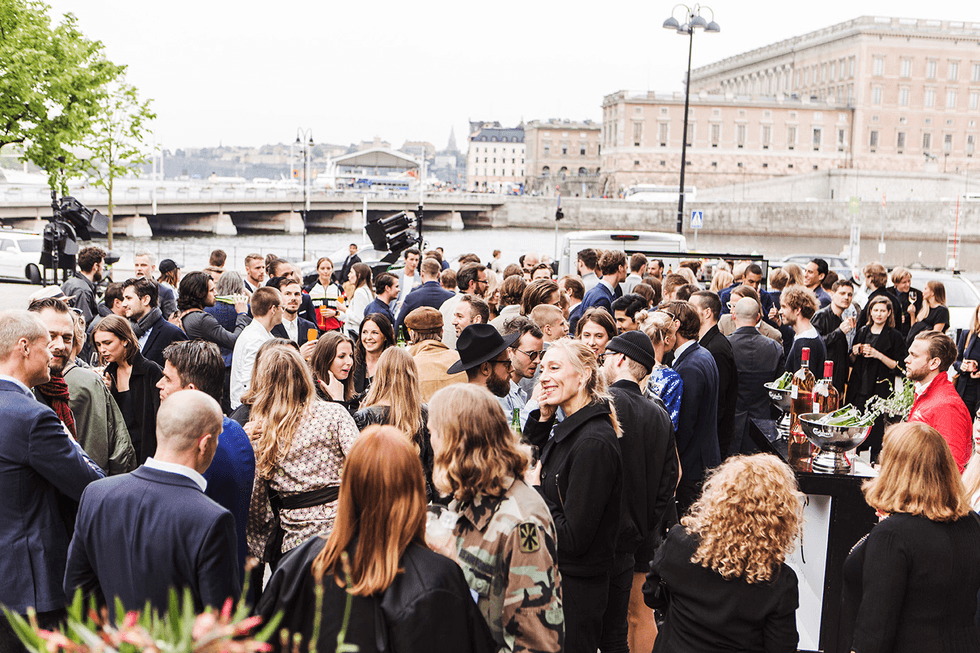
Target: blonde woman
{"points": [[300, 446], [721, 280], [395, 399], [580, 476], [724, 567], [665, 383], [912, 583], [503, 526]]}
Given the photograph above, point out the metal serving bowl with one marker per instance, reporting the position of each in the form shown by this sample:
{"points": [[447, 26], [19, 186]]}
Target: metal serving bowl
{"points": [[780, 398], [833, 442]]}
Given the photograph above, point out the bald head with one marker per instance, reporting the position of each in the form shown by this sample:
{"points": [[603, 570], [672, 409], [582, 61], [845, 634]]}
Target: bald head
{"points": [[746, 312], [184, 418]]}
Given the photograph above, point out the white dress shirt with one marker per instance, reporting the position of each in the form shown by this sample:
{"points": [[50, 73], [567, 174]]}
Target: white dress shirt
{"points": [[175, 468], [247, 345]]}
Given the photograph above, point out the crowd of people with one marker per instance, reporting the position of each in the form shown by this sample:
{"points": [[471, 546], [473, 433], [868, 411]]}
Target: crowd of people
{"points": [[486, 457]]}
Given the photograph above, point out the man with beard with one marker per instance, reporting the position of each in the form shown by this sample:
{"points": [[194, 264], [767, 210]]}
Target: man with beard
{"points": [[936, 401], [470, 310], [796, 306], [153, 332], [483, 356], [838, 331], [294, 326], [81, 286], [79, 396]]}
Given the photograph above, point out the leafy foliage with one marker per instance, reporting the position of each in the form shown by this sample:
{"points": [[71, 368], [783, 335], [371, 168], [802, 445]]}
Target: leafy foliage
{"points": [[52, 84]]}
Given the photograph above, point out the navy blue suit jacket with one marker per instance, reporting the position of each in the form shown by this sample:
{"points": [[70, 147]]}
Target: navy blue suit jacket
{"points": [[697, 425], [39, 465], [429, 293], [230, 478], [599, 295], [161, 334], [303, 330], [139, 534]]}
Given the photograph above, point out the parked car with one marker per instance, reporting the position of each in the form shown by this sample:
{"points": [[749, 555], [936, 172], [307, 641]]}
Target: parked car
{"points": [[962, 296], [20, 254]]}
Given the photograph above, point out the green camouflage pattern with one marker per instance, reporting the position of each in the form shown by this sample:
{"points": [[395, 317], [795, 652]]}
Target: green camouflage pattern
{"points": [[507, 549]]}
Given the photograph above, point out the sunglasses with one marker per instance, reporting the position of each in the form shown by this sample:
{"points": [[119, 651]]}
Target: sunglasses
{"points": [[533, 355]]}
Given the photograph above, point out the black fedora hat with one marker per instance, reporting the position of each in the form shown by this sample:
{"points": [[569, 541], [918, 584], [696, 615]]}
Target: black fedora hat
{"points": [[479, 343]]}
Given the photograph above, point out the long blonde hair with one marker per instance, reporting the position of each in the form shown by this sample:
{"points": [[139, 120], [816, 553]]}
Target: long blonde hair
{"points": [[747, 518], [381, 505], [284, 393], [396, 385], [583, 360]]}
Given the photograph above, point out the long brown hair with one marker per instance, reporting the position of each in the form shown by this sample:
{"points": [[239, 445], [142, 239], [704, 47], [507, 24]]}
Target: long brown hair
{"points": [[396, 385], [382, 504], [284, 393], [323, 357], [890, 322], [918, 476], [119, 327], [479, 450]]}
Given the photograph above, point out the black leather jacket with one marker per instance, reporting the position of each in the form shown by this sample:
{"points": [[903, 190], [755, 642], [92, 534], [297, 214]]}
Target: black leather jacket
{"points": [[379, 415]]}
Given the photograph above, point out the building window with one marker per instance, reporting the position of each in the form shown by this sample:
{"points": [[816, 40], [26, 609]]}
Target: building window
{"points": [[954, 70], [841, 135], [873, 142], [833, 70], [974, 99], [637, 133], [850, 67], [903, 97], [664, 126], [906, 68], [690, 133], [876, 95], [817, 135], [947, 142], [900, 142], [582, 149], [930, 97], [926, 142], [791, 136], [975, 77], [879, 69], [970, 142], [950, 99], [564, 148], [546, 148], [766, 136], [715, 135], [931, 69], [740, 135]]}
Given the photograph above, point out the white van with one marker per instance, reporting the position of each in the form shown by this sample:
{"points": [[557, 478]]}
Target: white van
{"points": [[631, 242]]}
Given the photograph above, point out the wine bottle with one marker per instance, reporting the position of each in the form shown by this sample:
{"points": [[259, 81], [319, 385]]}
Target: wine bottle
{"points": [[801, 396], [826, 399], [515, 421]]}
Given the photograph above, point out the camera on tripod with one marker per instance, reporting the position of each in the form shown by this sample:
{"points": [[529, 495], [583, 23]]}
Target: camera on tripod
{"points": [[70, 222]]}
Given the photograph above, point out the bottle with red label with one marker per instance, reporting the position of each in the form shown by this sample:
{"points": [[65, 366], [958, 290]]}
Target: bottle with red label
{"points": [[801, 396], [826, 399]]}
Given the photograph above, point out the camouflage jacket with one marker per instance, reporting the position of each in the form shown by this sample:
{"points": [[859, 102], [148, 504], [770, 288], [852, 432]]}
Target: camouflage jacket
{"points": [[507, 549]]}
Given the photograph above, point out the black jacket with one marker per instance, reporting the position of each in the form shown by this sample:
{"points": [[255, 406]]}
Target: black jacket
{"points": [[827, 323], [721, 350], [649, 467], [709, 613], [303, 327], [162, 334], [582, 483], [145, 399], [365, 417], [427, 609]]}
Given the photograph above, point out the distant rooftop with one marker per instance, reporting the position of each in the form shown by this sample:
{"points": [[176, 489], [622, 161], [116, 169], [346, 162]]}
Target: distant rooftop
{"points": [[703, 97], [499, 135]]}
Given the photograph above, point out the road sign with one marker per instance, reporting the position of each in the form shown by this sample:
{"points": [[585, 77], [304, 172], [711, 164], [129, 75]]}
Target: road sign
{"points": [[855, 205], [697, 219]]}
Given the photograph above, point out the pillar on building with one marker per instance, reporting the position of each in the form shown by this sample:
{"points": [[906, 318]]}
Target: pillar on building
{"points": [[132, 226], [293, 222], [223, 225]]}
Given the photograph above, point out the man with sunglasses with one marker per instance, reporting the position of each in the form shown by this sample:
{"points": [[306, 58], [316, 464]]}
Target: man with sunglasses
{"points": [[483, 356], [525, 354]]}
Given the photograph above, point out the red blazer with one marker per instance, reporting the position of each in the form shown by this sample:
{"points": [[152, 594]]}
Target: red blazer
{"points": [[941, 408]]}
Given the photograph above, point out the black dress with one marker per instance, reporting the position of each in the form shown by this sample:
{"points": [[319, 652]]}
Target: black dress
{"points": [[426, 609], [911, 586], [708, 613], [870, 377], [937, 315]]}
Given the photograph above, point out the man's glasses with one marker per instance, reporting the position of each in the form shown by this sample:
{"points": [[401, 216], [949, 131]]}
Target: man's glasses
{"points": [[506, 362], [533, 355]]}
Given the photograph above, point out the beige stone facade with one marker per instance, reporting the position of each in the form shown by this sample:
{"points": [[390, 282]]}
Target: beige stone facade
{"points": [[729, 141], [909, 88], [495, 158], [561, 149]]}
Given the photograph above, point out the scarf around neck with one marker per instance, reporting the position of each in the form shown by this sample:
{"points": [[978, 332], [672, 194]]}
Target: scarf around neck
{"points": [[140, 328], [55, 393]]}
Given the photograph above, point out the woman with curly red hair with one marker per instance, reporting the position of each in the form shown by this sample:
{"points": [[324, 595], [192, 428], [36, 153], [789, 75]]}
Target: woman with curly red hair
{"points": [[723, 568]]}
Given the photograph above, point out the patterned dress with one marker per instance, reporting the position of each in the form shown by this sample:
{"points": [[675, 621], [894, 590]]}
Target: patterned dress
{"points": [[323, 438], [667, 384]]}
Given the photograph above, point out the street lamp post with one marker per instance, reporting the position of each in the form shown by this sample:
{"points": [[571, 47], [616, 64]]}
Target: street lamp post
{"points": [[307, 136], [692, 20]]}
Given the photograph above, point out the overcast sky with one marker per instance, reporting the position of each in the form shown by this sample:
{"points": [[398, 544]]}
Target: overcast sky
{"points": [[250, 73]]}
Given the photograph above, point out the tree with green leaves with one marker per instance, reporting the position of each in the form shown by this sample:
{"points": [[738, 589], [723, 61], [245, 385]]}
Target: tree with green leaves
{"points": [[118, 142], [52, 85]]}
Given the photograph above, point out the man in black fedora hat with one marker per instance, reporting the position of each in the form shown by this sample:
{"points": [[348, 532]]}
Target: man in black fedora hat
{"points": [[482, 356]]}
